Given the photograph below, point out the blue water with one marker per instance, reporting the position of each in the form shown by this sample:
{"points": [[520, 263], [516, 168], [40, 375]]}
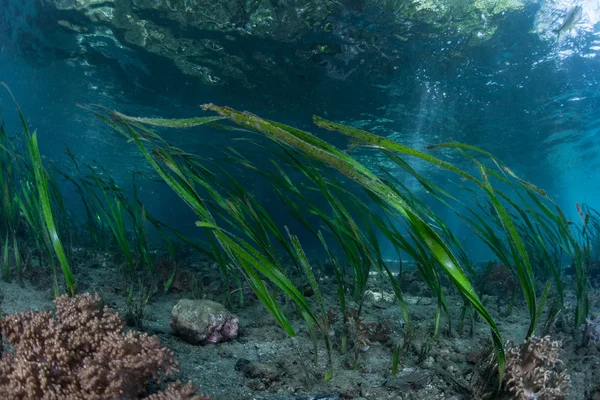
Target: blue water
{"points": [[522, 93], [515, 78]]}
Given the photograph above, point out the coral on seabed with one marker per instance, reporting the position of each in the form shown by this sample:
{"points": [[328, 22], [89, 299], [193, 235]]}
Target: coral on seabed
{"points": [[82, 352], [534, 371]]}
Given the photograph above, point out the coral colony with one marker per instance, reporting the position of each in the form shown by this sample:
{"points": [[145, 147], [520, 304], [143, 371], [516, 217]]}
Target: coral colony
{"points": [[81, 351]]}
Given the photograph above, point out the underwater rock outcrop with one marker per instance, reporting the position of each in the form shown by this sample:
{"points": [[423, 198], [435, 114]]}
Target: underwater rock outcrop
{"points": [[227, 42], [209, 40], [203, 322]]}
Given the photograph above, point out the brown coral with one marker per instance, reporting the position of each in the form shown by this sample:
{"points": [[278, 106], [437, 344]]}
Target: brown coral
{"points": [[81, 352], [534, 371]]}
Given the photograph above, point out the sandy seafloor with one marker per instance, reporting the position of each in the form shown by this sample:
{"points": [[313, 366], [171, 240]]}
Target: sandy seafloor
{"points": [[264, 363]]}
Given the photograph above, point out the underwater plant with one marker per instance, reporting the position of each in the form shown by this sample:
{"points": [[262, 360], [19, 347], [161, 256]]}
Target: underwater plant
{"points": [[245, 256], [527, 236], [315, 181], [240, 253], [110, 214], [42, 187]]}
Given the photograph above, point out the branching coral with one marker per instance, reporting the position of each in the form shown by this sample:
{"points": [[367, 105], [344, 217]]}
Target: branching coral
{"points": [[534, 371], [81, 352]]}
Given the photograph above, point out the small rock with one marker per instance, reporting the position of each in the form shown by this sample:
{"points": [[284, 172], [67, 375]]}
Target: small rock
{"points": [[261, 371], [203, 321], [429, 362], [409, 379]]}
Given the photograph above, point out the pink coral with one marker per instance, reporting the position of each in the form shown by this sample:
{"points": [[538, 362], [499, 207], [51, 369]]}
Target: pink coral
{"points": [[81, 352]]}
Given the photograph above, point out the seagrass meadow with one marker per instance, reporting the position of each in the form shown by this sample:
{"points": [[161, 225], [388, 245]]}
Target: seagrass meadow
{"points": [[338, 320], [299, 200]]}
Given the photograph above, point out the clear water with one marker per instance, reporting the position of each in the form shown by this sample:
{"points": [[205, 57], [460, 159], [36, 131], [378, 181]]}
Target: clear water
{"points": [[507, 83], [490, 74]]}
